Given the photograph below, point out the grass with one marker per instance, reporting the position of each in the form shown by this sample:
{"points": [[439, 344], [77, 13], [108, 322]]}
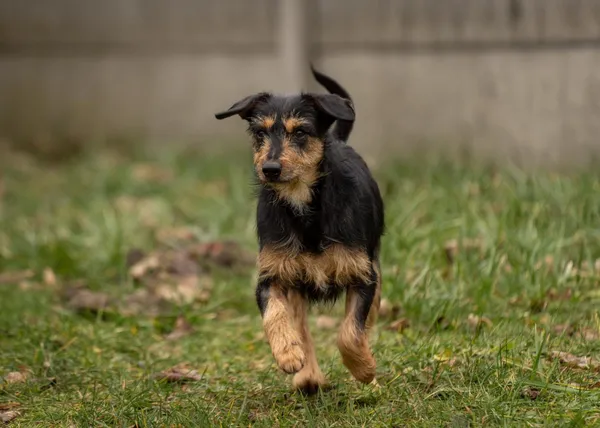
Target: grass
{"points": [[481, 330]]}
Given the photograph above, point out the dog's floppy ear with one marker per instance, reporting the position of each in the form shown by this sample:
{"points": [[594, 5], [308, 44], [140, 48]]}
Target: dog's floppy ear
{"points": [[334, 106], [244, 107]]}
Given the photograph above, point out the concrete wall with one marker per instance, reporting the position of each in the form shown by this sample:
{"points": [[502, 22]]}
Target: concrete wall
{"points": [[502, 76]]}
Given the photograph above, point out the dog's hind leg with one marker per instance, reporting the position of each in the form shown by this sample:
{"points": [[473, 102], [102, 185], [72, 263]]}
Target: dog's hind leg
{"points": [[310, 378], [286, 344], [362, 306]]}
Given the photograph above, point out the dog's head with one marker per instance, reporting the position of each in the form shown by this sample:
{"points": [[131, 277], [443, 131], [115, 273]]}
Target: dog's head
{"points": [[288, 132]]}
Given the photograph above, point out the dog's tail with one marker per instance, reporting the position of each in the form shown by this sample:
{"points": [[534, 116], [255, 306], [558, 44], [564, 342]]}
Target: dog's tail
{"points": [[343, 128]]}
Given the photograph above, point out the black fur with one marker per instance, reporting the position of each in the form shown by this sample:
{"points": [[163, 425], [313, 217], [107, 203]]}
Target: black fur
{"points": [[346, 207], [343, 128]]}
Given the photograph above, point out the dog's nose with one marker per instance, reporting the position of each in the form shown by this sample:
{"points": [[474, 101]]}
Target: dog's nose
{"points": [[271, 169]]}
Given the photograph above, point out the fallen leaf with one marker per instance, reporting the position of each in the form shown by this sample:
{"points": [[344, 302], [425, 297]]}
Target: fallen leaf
{"points": [[82, 299], [453, 246], [325, 322], [182, 328], [589, 334], [531, 393], [399, 325], [187, 290], [475, 321], [15, 277], [142, 301], [8, 416], [9, 405], [140, 268], [223, 253], [15, 377], [134, 256], [49, 277], [179, 373], [388, 310], [181, 263], [565, 329], [574, 361]]}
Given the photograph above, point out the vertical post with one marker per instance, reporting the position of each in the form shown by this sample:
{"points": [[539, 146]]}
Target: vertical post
{"points": [[294, 43]]}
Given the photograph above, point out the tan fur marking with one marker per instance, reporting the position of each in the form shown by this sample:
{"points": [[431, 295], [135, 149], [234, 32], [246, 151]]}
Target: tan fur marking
{"points": [[285, 342], [354, 344], [299, 171], [292, 123], [310, 377], [266, 121], [337, 264]]}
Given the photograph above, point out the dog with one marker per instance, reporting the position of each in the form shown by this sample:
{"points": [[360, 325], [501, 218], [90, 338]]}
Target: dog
{"points": [[320, 220]]}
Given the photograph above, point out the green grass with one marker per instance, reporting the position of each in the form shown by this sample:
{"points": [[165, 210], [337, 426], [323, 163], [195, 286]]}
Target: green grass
{"points": [[80, 219]]}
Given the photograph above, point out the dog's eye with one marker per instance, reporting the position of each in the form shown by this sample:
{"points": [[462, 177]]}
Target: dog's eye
{"points": [[259, 135], [299, 133]]}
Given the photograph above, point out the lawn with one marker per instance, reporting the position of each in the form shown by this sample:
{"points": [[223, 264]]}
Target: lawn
{"points": [[126, 298]]}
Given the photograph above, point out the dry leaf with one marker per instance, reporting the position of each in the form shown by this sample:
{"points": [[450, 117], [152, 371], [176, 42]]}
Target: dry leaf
{"points": [[9, 405], [565, 329], [531, 393], [574, 361], [15, 377], [49, 277], [15, 277], [475, 321], [143, 266], [182, 328], [399, 325], [82, 299], [223, 253], [6, 417], [179, 373], [325, 322], [589, 334], [134, 256], [388, 310]]}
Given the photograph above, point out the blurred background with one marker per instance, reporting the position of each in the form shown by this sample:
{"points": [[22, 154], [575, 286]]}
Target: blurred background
{"points": [[503, 78]]}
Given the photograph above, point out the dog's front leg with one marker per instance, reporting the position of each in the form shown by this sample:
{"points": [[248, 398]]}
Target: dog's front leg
{"points": [[310, 379], [285, 342], [362, 306]]}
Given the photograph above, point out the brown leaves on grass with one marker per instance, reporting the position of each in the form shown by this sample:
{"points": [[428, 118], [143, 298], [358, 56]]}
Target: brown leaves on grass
{"points": [[399, 325], [476, 321], [179, 374], [388, 309], [165, 277], [16, 377], [81, 299], [182, 328], [7, 416], [531, 393], [573, 361], [585, 333], [15, 277]]}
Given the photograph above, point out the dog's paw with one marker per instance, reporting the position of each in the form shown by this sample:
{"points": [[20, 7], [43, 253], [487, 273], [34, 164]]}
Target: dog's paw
{"points": [[309, 382], [291, 358]]}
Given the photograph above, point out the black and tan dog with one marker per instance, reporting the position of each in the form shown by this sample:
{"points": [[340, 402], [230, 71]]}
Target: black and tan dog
{"points": [[320, 219]]}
